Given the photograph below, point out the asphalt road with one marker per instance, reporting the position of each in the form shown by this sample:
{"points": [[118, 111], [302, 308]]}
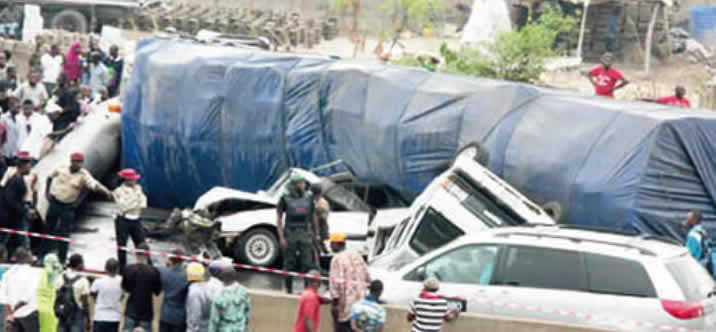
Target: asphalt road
{"points": [[97, 230]]}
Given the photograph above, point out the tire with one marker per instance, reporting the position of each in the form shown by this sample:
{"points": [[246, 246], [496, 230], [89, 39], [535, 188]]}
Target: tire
{"points": [[479, 153], [554, 210], [257, 247], [70, 20]]}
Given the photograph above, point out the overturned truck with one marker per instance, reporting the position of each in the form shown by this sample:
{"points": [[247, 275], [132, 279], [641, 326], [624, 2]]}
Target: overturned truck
{"points": [[217, 116]]}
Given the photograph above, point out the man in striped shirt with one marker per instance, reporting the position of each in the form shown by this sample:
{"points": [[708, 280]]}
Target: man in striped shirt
{"points": [[429, 310], [367, 315]]}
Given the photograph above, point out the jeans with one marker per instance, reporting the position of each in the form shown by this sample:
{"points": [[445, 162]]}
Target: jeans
{"points": [[125, 229], [24, 240], [131, 324], [77, 324], [60, 218], [166, 327], [105, 326]]}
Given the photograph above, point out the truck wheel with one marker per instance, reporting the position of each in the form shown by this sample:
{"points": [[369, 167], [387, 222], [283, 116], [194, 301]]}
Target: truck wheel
{"points": [[70, 20], [257, 247], [554, 210], [476, 151]]}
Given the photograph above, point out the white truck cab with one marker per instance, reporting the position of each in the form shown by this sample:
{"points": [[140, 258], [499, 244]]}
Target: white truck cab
{"points": [[465, 199]]}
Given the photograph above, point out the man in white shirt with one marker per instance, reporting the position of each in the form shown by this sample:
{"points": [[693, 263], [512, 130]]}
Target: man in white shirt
{"points": [[131, 200], [28, 121], [33, 90], [41, 126], [51, 67], [12, 126], [98, 74], [107, 293], [18, 293]]}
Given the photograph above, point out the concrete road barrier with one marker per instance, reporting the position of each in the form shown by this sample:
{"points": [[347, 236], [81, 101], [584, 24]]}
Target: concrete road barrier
{"points": [[271, 311]]}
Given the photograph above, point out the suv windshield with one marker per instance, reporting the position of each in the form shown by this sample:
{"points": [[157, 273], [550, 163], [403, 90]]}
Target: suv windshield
{"points": [[433, 231], [691, 277], [481, 202]]}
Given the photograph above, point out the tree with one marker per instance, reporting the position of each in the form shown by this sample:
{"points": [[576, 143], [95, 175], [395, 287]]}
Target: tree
{"points": [[407, 13], [516, 55]]}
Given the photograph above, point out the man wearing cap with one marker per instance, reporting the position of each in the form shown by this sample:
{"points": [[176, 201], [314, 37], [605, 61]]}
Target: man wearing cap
{"points": [[64, 186], [13, 199], [198, 300], [349, 278], [131, 200], [300, 231], [429, 309], [29, 199]]}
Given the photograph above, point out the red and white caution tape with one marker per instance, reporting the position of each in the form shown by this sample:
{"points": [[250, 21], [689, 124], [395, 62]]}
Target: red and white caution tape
{"points": [[492, 303]]}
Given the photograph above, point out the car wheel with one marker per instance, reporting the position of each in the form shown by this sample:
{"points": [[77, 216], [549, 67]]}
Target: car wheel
{"points": [[476, 151], [554, 210], [70, 20], [257, 247]]}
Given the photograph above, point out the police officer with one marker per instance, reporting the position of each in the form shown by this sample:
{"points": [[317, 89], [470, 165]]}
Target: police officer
{"points": [[698, 241], [301, 229]]}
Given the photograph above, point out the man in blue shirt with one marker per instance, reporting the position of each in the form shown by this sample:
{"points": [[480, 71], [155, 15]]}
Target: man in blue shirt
{"points": [[367, 315], [697, 241]]}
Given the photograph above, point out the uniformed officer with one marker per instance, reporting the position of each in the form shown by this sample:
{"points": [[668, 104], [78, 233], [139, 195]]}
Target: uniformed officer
{"points": [[301, 229]]}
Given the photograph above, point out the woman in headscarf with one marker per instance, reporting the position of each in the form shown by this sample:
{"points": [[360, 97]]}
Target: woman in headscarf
{"points": [[72, 67], [47, 293]]}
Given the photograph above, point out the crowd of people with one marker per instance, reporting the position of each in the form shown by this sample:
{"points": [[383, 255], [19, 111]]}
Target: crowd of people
{"points": [[195, 297], [57, 93]]}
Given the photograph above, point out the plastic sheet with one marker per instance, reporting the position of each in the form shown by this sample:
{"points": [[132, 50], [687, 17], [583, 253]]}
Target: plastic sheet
{"points": [[199, 116]]}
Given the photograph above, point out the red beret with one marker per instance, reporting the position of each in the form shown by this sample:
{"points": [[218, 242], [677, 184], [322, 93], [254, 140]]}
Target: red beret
{"points": [[77, 157], [23, 155], [129, 174]]}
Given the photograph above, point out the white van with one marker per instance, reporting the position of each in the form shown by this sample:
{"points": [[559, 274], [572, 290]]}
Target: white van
{"points": [[465, 199]]}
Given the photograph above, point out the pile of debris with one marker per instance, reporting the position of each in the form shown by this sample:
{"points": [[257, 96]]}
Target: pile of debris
{"points": [[280, 28]]}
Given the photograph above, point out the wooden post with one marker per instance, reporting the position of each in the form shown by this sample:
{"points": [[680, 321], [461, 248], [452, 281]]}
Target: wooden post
{"points": [[649, 37], [581, 29]]}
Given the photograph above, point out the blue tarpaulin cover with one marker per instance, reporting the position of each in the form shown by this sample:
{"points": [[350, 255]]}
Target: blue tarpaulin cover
{"points": [[198, 116]]}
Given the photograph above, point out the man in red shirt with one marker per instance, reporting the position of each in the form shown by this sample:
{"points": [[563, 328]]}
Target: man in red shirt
{"points": [[309, 306], [605, 78], [678, 99]]}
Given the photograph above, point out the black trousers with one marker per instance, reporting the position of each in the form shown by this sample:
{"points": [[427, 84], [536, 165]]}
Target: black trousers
{"points": [[106, 326], [126, 228], [342, 326], [166, 327], [30, 323], [60, 218]]}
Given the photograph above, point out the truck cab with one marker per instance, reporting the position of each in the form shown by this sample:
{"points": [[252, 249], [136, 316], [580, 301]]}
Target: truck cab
{"points": [[465, 199]]}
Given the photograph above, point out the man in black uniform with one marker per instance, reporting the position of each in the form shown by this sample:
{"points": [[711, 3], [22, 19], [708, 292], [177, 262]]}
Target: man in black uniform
{"points": [[297, 237], [13, 198]]}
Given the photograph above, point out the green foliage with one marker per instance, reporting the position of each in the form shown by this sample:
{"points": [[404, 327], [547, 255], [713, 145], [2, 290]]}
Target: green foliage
{"points": [[416, 13], [516, 55], [339, 4]]}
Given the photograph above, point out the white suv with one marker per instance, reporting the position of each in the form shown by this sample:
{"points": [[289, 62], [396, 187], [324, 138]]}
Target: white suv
{"points": [[559, 273]]}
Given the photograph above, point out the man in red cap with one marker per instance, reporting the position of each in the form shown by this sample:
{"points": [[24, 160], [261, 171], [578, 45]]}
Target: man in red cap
{"points": [[29, 199], [13, 201], [64, 186], [131, 200]]}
